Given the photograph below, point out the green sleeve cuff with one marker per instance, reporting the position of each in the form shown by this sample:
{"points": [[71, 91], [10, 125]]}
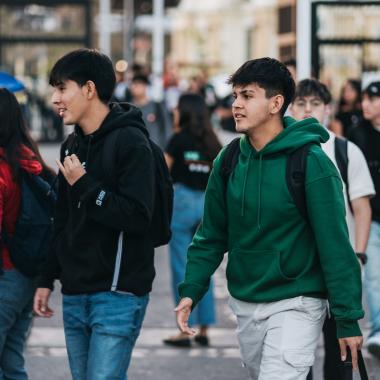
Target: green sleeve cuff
{"points": [[193, 291], [346, 329]]}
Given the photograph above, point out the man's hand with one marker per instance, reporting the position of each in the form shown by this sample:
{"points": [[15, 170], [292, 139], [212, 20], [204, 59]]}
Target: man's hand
{"points": [[183, 311], [41, 299], [72, 169], [354, 343]]}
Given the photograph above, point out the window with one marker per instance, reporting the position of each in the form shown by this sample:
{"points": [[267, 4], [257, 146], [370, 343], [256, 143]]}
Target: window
{"points": [[286, 19]]}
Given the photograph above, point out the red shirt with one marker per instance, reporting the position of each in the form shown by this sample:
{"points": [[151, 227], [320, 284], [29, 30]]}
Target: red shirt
{"points": [[10, 194]]}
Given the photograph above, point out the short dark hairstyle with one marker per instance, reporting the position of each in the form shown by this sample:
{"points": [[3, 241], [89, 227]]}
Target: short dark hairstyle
{"points": [[290, 62], [141, 78], [313, 87], [85, 65], [372, 90], [269, 74]]}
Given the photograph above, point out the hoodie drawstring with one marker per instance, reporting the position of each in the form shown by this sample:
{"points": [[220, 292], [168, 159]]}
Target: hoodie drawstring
{"points": [[88, 150], [245, 185], [86, 162], [259, 192]]}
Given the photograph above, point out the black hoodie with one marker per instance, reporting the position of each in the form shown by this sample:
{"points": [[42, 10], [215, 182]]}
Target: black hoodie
{"points": [[367, 138], [100, 238]]}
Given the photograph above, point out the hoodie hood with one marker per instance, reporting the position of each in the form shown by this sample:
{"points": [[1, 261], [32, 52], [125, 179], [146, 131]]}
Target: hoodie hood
{"points": [[295, 134], [121, 115]]}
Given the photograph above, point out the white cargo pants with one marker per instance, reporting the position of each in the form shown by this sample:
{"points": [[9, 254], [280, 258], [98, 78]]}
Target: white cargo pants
{"points": [[278, 339]]}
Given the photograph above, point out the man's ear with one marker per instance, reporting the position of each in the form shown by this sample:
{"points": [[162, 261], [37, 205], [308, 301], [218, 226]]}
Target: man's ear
{"points": [[328, 110], [90, 89], [276, 104]]}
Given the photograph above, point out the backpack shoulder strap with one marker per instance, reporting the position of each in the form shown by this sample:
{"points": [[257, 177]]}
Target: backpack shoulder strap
{"points": [[160, 117], [341, 157], [295, 177], [230, 159], [109, 156]]}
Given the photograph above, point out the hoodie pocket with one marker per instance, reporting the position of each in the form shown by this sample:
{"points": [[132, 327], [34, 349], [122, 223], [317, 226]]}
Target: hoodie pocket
{"points": [[255, 269]]}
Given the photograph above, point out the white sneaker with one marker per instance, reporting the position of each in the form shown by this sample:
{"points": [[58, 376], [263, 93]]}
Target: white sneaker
{"points": [[373, 345]]}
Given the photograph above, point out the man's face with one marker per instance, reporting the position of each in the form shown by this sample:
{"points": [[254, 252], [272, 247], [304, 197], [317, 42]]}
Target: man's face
{"points": [[310, 106], [251, 108], [371, 107], [70, 101], [138, 89]]}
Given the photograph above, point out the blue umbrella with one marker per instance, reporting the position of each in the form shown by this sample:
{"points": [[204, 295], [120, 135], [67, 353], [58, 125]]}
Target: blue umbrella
{"points": [[10, 82]]}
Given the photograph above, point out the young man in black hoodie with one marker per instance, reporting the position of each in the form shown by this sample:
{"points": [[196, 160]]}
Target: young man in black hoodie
{"points": [[101, 251]]}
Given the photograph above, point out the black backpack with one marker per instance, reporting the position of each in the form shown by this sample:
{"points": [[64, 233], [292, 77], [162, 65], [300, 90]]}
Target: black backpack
{"points": [[295, 169], [29, 245], [163, 199]]}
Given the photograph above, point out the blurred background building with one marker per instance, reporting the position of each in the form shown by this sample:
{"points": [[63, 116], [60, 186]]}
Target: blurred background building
{"points": [[178, 40]]}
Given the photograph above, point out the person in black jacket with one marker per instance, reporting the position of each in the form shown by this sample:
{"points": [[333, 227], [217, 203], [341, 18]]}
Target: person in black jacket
{"points": [[367, 137], [101, 251]]}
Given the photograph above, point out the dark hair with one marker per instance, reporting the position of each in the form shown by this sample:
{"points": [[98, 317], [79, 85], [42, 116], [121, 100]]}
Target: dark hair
{"points": [[269, 74], [13, 133], [357, 86], [313, 87], [85, 65], [290, 62], [194, 118], [372, 90], [141, 78]]}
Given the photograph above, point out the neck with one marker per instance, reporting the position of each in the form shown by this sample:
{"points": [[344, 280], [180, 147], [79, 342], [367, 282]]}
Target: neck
{"points": [[95, 117], [376, 122], [141, 100], [265, 133]]}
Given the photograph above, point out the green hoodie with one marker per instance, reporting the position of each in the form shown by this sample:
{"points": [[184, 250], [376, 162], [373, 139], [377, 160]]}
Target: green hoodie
{"points": [[274, 253]]}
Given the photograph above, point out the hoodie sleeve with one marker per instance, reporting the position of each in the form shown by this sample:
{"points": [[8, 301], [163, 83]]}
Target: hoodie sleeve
{"points": [[210, 241], [51, 268], [129, 208], [340, 266]]}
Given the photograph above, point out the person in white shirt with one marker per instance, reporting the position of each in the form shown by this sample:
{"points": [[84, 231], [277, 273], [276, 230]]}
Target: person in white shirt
{"points": [[312, 99]]}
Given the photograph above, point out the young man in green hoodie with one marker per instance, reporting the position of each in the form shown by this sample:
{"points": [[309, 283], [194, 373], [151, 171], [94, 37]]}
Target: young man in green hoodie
{"points": [[281, 267]]}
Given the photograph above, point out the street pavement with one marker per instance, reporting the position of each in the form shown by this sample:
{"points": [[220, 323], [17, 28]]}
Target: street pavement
{"points": [[46, 354]]}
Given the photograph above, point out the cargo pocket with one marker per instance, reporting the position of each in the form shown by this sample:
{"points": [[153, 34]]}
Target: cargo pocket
{"points": [[301, 360]]}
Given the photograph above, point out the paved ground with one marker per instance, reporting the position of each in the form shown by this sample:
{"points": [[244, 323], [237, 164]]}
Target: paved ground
{"points": [[46, 355]]}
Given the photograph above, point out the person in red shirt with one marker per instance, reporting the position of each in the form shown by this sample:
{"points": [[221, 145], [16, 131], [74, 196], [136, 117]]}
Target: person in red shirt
{"points": [[17, 152]]}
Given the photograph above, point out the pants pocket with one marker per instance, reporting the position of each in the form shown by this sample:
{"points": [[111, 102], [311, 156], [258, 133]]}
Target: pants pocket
{"points": [[300, 360], [314, 308]]}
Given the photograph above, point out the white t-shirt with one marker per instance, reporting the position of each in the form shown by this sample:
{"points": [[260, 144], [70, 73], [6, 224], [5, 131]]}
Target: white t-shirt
{"points": [[358, 177]]}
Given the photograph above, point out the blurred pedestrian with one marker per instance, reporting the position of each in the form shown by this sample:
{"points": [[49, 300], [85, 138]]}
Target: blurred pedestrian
{"points": [[349, 114], [155, 115], [291, 65], [312, 99], [18, 153], [189, 154], [367, 137], [284, 260], [102, 251]]}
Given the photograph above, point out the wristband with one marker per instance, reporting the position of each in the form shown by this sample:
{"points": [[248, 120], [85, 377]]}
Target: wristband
{"points": [[362, 257]]}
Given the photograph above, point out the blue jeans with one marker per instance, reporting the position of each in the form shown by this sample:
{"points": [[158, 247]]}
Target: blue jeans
{"points": [[101, 330], [16, 301], [372, 278], [187, 214]]}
